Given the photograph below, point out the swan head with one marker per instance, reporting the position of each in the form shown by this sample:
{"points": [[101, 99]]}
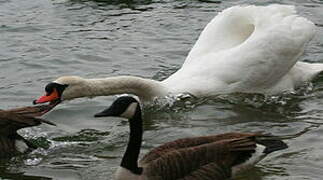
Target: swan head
{"points": [[125, 106], [63, 88]]}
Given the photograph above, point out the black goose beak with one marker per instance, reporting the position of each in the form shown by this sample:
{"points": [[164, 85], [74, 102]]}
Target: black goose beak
{"points": [[106, 112]]}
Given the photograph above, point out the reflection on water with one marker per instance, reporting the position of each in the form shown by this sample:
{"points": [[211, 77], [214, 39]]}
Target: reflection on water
{"points": [[44, 39]]}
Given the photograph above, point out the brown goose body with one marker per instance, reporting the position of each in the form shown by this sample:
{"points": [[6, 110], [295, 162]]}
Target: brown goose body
{"points": [[11, 143], [215, 157]]}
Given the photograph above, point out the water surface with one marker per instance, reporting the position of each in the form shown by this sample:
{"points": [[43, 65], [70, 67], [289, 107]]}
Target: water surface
{"points": [[43, 39]]}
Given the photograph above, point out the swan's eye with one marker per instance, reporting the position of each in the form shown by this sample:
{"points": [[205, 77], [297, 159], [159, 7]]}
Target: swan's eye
{"points": [[52, 86], [49, 88]]}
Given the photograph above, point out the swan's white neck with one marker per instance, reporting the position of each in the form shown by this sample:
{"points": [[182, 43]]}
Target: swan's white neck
{"points": [[145, 89]]}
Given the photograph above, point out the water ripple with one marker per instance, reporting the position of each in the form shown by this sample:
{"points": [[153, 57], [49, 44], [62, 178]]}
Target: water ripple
{"points": [[44, 39]]}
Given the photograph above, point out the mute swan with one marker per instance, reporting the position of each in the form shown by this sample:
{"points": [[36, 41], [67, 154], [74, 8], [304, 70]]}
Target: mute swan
{"points": [[11, 142], [215, 157], [251, 49]]}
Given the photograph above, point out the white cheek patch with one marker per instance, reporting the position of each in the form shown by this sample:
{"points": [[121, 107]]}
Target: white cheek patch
{"points": [[125, 174], [130, 111]]}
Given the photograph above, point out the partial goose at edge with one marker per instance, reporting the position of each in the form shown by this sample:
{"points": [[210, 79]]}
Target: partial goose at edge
{"points": [[11, 143]]}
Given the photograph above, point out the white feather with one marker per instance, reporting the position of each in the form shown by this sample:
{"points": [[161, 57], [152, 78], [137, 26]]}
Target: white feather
{"points": [[21, 146], [247, 49], [254, 159], [251, 49]]}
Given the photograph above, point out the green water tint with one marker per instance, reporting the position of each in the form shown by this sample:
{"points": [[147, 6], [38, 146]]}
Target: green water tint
{"points": [[40, 142]]}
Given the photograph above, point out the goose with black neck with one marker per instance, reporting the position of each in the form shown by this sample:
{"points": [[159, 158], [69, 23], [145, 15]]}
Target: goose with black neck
{"points": [[215, 157]]}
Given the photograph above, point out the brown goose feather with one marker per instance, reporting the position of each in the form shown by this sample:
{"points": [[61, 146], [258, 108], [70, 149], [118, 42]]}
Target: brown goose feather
{"points": [[185, 163], [211, 171], [215, 157], [31, 110], [189, 142], [15, 119]]}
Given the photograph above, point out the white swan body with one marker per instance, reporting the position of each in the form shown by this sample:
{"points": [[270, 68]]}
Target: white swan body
{"points": [[248, 49], [252, 49]]}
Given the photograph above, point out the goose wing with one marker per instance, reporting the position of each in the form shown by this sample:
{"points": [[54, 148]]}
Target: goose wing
{"points": [[189, 142], [31, 110], [14, 119], [210, 171], [212, 160]]}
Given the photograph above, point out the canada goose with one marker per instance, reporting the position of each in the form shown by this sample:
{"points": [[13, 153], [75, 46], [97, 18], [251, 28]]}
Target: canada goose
{"points": [[215, 157], [251, 49], [11, 143]]}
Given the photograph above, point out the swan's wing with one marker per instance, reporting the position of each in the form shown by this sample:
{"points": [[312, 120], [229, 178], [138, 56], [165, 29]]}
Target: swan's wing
{"points": [[234, 25], [227, 59], [226, 30], [187, 143], [188, 163], [266, 57]]}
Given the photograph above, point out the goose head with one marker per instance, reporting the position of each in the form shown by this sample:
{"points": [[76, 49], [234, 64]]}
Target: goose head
{"points": [[128, 107], [63, 88], [125, 107]]}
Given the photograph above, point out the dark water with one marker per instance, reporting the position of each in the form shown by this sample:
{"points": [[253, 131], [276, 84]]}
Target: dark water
{"points": [[41, 40]]}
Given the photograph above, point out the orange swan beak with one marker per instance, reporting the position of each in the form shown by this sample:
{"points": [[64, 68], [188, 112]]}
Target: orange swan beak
{"points": [[47, 98]]}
